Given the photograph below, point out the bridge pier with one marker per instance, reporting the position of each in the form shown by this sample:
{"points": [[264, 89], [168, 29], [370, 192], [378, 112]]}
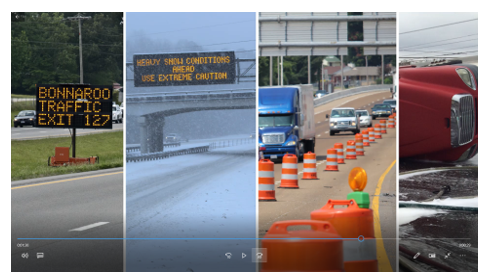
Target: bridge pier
{"points": [[143, 134], [151, 134]]}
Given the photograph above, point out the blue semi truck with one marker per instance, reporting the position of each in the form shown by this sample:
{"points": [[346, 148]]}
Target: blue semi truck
{"points": [[286, 120]]}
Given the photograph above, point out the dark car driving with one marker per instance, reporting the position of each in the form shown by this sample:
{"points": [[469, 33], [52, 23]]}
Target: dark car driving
{"points": [[27, 117], [381, 110]]}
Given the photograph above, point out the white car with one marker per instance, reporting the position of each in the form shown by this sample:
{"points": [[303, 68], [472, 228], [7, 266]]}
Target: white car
{"points": [[343, 119], [365, 118], [116, 114]]}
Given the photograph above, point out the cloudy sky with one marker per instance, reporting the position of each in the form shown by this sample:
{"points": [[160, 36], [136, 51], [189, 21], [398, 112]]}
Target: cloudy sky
{"points": [[444, 34]]}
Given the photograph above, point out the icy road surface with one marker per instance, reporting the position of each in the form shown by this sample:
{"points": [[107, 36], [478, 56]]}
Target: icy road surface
{"points": [[192, 197]]}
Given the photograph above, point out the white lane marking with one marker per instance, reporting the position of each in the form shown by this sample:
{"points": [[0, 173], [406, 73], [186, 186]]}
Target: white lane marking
{"points": [[378, 99], [319, 122], [326, 131], [89, 226], [383, 98], [319, 135]]}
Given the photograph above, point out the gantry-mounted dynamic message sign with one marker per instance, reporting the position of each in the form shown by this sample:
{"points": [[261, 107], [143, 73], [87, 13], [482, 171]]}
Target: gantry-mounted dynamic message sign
{"points": [[183, 69], [74, 106]]}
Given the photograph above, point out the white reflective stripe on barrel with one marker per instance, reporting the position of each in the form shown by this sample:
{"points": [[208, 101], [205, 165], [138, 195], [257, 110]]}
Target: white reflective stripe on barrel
{"points": [[351, 153], [266, 174], [309, 170], [339, 150], [331, 163], [290, 165], [350, 147], [331, 156], [309, 160], [289, 176], [354, 250], [266, 187]]}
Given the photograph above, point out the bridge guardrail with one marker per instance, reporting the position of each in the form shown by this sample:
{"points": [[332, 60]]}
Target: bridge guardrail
{"points": [[163, 155], [231, 143], [349, 92], [136, 147]]}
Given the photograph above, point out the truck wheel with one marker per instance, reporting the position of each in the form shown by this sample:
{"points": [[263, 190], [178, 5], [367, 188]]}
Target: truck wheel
{"points": [[373, 117], [332, 133], [121, 120]]}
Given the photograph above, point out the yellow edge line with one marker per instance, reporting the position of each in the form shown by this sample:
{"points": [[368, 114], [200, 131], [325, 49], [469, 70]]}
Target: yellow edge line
{"points": [[384, 263], [67, 180]]}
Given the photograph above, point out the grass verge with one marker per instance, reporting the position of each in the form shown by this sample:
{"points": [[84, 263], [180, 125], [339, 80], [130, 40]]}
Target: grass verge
{"points": [[29, 157]]}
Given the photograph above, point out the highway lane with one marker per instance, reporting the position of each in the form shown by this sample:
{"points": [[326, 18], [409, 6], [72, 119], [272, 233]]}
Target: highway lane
{"points": [[313, 194], [29, 132], [82, 205]]}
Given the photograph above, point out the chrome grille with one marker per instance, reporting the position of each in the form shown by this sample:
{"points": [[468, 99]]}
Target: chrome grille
{"points": [[273, 138], [462, 119]]}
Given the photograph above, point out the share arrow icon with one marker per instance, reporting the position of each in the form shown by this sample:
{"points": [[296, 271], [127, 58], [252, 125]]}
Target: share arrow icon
{"points": [[243, 255]]}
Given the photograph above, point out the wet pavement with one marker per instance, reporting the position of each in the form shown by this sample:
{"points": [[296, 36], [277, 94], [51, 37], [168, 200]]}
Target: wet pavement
{"points": [[445, 232]]}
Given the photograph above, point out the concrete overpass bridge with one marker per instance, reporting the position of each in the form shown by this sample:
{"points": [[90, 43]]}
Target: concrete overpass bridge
{"points": [[148, 110]]}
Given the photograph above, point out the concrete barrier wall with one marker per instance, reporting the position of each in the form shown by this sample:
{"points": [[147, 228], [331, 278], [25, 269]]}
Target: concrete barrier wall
{"points": [[349, 92]]}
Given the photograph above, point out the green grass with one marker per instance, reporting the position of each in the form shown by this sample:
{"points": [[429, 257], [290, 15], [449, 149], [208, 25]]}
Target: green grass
{"points": [[29, 157]]}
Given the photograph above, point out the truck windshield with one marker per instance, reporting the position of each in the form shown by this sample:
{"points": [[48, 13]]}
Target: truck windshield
{"points": [[342, 113], [273, 120]]}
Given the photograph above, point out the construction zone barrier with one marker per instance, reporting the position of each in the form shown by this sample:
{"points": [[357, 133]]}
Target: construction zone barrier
{"points": [[317, 249], [390, 122], [351, 153], [331, 160], [266, 180], [359, 145], [289, 176], [164, 155], [365, 136], [383, 126], [377, 133], [359, 253], [371, 135], [61, 158], [340, 157], [309, 166]]}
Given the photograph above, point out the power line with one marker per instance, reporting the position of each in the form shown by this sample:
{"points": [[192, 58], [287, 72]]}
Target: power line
{"points": [[193, 28], [407, 47], [441, 45], [438, 26]]}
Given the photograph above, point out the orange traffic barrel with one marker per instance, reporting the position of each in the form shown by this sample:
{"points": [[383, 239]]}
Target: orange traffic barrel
{"points": [[309, 166], [365, 136], [289, 177], [371, 135], [356, 226], [359, 144], [351, 154], [317, 249], [390, 122], [331, 160], [395, 119], [266, 180], [383, 127], [377, 133], [340, 157]]}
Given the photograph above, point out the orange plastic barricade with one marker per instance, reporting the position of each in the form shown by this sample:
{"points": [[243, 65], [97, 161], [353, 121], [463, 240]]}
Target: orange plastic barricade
{"points": [[359, 145], [317, 249], [383, 126], [309, 166], [371, 135], [289, 177], [365, 136], [359, 253], [390, 122], [331, 160], [377, 133], [266, 180], [340, 157], [351, 154]]}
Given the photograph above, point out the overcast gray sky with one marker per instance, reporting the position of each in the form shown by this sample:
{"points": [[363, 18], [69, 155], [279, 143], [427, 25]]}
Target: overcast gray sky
{"points": [[444, 40]]}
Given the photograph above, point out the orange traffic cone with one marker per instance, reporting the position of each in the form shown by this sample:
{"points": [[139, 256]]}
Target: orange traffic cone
{"points": [[289, 177], [331, 160], [359, 145], [340, 157], [351, 154], [266, 180], [309, 166]]}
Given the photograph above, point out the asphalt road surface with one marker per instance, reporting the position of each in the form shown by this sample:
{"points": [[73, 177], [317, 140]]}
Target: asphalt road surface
{"points": [[29, 132], [378, 162], [82, 205]]}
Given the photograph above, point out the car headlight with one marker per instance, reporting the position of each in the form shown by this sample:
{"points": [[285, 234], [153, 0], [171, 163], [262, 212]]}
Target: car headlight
{"points": [[466, 77], [388, 112], [15, 119], [353, 123], [291, 143]]}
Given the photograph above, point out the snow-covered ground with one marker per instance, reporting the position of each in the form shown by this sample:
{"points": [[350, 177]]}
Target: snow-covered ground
{"points": [[190, 197]]}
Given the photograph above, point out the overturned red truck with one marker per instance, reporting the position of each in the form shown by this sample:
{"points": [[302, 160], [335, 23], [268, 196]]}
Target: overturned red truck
{"points": [[438, 112]]}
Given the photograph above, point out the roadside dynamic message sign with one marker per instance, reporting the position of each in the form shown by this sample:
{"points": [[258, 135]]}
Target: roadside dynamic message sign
{"points": [[182, 69], [74, 106]]}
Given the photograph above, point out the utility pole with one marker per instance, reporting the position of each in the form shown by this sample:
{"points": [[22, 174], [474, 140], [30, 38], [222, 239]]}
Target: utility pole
{"points": [[78, 17]]}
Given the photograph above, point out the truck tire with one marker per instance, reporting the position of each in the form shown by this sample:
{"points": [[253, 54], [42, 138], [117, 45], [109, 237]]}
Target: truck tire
{"points": [[332, 133]]}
